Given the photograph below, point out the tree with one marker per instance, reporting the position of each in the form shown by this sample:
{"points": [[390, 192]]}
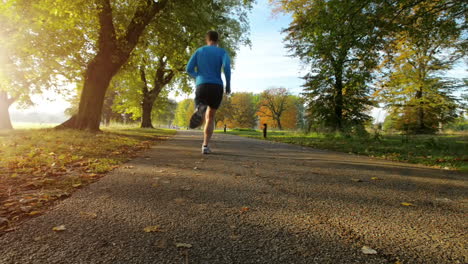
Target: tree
{"points": [[242, 111], [340, 40], [413, 87], [29, 64], [224, 113], [183, 112], [291, 118], [165, 114], [273, 103]]}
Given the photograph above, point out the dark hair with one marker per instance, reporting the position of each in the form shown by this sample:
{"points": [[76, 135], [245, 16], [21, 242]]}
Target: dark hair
{"points": [[212, 35]]}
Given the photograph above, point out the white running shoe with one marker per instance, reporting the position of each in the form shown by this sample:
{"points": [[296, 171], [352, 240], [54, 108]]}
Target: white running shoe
{"points": [[205, 150]]}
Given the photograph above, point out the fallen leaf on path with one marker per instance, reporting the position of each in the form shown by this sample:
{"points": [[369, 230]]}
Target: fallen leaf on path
{"points": [[368, 251], [245, 209], [155, 185], [154, 228], [183, 245], [162, 243], [34, 213], [59, 228], [128, 167], [88, 215], [38, 238], [407, 204], [195, 168], [160, 171], [179, 200], [356, 180], [76, 185], [376, 179], [186, 188]]}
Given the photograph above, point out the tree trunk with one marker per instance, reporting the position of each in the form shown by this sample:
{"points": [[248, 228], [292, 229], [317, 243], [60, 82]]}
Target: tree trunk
{"points": [[147, 107], [338, 100], [5, 103], [161, 78], [278, 123], [5, 122], [421, 125]]}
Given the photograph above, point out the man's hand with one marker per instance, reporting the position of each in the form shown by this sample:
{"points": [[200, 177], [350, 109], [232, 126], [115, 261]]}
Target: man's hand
{"points": [[228, 89]]}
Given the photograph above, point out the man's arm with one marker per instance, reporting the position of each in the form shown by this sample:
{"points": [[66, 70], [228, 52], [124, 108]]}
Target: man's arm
{"points": [[192, 64], [227, 72]]}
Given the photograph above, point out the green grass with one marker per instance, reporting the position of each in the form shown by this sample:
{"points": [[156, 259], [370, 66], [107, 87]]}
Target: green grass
{"points": [[42, 165], [443, 151]]}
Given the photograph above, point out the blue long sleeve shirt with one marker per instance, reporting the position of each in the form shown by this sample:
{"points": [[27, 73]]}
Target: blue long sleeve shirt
{"points": [[206, 63]]}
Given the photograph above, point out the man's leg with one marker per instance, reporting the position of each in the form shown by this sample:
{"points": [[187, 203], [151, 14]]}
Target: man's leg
{"points": [[209, 125]]}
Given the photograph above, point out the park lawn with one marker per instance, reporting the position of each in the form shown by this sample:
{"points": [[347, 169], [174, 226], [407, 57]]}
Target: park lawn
{"points": [[41, 166], [441, 151]]}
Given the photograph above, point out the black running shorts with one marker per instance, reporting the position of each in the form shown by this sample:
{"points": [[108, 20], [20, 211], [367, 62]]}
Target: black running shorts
{"points": [[209, 94]]}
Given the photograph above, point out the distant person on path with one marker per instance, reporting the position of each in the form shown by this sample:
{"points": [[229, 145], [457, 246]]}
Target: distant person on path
{"points": [[205, 66]]}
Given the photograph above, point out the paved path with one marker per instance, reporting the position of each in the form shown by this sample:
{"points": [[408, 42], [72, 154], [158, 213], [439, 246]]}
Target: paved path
{"points": [[252, 202]]}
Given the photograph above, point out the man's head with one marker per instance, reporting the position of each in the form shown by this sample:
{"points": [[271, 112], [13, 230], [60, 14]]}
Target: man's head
{"points": [[212, 37]]}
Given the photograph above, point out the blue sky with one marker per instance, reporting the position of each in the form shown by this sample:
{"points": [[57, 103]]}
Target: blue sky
{"points": [[265, 64]]}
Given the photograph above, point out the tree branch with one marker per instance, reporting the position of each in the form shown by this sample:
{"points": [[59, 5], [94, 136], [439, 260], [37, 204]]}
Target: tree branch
{"points": [[142, 17], [107, 40]]}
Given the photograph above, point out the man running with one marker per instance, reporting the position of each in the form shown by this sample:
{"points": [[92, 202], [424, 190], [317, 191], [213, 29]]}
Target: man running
{"points": [[205, 66]]}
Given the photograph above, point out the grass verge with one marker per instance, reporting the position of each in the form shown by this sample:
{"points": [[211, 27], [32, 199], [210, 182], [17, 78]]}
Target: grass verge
{"points": [[41, 166], [441, 151]]}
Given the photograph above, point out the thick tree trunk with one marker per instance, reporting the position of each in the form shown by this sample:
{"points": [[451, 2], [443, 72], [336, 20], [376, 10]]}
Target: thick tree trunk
{"points": [[147, 108], [98, 76], [5, 122], [5, 102]]}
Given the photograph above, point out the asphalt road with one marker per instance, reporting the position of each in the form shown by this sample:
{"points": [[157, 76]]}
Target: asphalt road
{"points": [[252, 202]]}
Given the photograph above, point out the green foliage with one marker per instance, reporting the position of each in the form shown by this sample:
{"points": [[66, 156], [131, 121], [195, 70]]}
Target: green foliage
{"points": [[340, 41], [183, 112], [164, 114], [459, 124], [37, 51], [343, 41]]}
